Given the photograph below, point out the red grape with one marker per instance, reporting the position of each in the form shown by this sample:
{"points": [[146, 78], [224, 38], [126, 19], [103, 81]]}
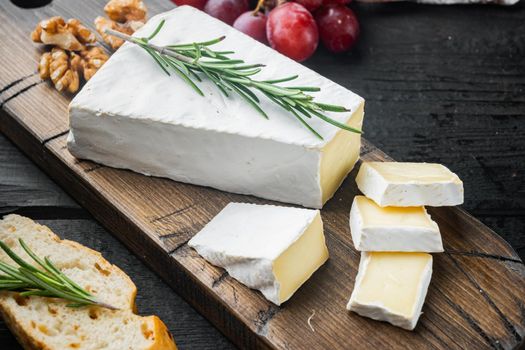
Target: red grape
{"points": [[195, 3], [310, 5], [338, 27], [226, 10], [292, 31], [252, 25]]}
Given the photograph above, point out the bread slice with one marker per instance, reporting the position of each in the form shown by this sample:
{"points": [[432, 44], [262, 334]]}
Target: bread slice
{"points": [[45, 323]]}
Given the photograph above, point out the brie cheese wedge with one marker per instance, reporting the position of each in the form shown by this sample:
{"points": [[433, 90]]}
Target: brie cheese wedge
{"points": [[409, 184], [132, 115], [401, 229], [269, 248], [391, 287]]}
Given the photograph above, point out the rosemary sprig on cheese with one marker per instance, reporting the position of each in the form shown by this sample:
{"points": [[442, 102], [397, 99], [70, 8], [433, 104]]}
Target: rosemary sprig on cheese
{"points": [[46, 281], [196, 60]]}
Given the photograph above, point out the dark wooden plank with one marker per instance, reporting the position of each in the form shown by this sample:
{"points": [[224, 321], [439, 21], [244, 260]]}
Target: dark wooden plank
{"points": [[156, 217], [22, 184]]}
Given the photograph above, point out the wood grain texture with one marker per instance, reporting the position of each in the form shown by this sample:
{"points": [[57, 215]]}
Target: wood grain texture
{"points": [[476, 299]]}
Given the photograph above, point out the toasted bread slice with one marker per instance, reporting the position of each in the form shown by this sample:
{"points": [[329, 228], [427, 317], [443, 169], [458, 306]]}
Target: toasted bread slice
{"points": [[47, 323]]}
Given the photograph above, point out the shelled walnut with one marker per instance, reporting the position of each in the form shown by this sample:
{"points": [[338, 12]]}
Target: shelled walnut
{"points": [[61, 69], [126, 10], [125, 16], [92, 60], [64, 68], [102, 23], [70, 35]]}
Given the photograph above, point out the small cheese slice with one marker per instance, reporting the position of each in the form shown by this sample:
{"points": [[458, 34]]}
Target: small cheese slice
{"points": [[384, 229], [132, 115], [269, 248], [391, 287], [409, 184]]}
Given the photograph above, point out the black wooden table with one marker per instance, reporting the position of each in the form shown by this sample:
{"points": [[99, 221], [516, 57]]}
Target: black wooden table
{"points": [[442, 84]]}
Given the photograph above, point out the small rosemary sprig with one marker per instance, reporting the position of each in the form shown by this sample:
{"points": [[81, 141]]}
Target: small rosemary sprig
{"points": [[48, 281], [195, 60]]}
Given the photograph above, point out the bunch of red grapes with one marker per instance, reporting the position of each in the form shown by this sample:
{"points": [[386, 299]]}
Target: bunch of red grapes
{"points": [[292, 28]]}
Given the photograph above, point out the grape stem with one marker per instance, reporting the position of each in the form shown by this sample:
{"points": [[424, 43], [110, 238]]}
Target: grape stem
{"points": [[260, 4]]}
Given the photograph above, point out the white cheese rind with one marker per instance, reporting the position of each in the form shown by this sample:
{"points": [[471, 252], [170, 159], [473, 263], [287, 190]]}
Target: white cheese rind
{"points": [[370, 236], [131, 115], [379, 312], [246, 240], [375, 186]]}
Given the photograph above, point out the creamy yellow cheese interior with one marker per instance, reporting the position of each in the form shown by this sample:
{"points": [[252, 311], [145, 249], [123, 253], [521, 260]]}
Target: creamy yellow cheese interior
{"points": [[340, 155], [296, 264], [399, 172], [392, 280], [374, 215]]}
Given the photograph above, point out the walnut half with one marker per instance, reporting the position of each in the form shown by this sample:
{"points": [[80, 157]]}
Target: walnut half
{"points": [[102, 23], [126, 10], [68, 36], [57, 66]]}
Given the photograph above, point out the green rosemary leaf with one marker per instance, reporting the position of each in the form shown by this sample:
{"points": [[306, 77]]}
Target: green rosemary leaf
{"points": [[249, 66], [247, 91], [277, 101], [188, 80], [281, 80], [156, 31], [306, 124], [36, 292], [335, 122], [16, 258], [155, 56], [305, 88], [303, 111], [217, 82], [331, 108], [274, 89], [171, 61], [248, 99], [198, 54], [64, 278], [243, 73], [289, 101]]}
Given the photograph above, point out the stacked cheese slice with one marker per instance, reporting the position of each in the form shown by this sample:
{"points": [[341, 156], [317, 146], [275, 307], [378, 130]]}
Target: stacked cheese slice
{"points": [[394, 232]]}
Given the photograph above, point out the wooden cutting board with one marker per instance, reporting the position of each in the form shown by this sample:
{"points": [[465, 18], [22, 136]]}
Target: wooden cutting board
{"points": [[476, 299]]}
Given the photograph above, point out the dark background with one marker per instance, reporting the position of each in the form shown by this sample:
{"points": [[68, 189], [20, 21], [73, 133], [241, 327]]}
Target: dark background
{"points": [[442, 84]]}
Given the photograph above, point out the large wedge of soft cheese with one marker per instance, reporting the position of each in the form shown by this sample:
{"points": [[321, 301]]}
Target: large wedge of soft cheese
{"points": [[409, 184], [391, 287], [270, 248], [384, 229], [132, 115]]}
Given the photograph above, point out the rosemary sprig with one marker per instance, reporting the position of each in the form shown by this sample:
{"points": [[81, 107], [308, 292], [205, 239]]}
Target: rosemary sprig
{"points": [[46, 280], [193, 60]]}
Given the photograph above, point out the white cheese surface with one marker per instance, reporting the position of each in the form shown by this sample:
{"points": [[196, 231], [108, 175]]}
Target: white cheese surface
{"points": [[132, 115], [398, 229], [248, 240]]}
